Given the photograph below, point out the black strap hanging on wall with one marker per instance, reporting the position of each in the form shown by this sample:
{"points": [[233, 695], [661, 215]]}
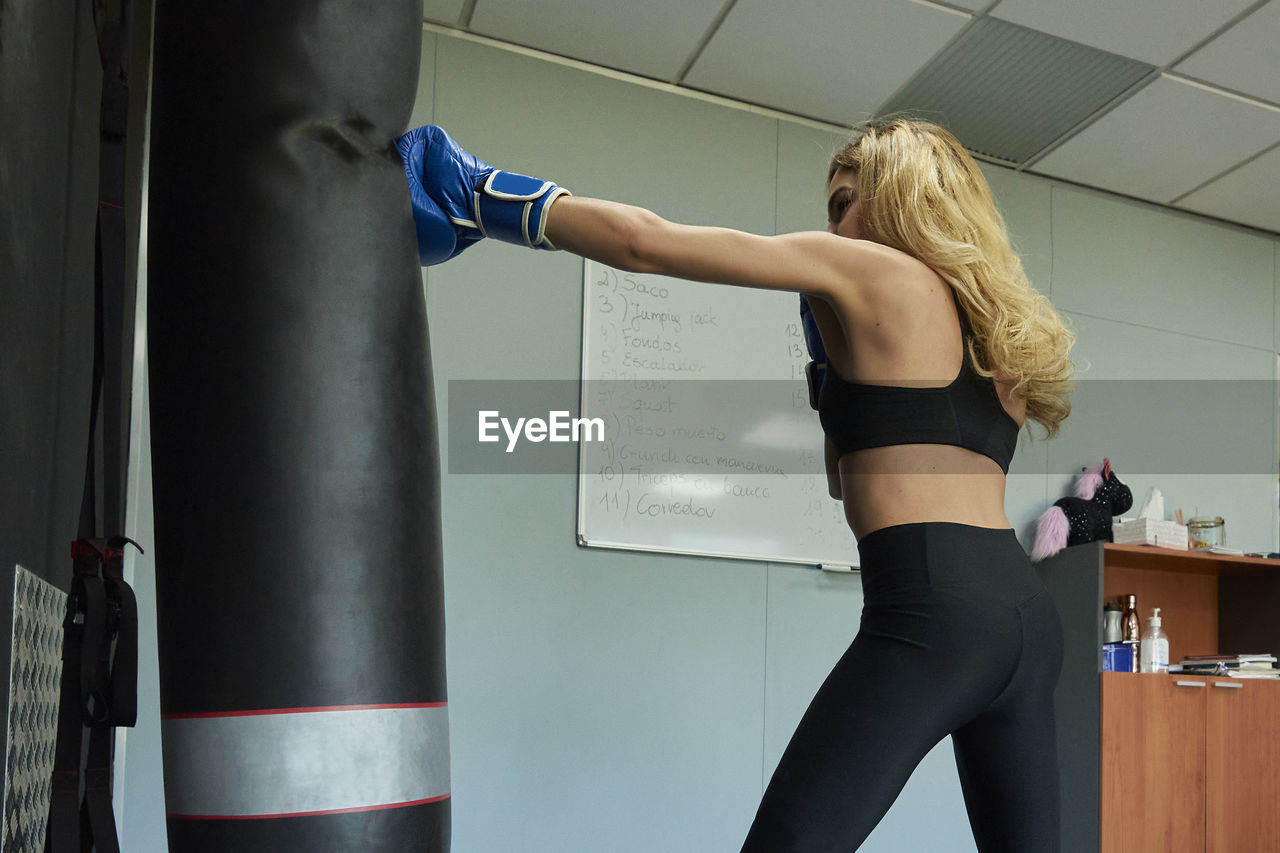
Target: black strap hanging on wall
{"points": [[100, 629]]}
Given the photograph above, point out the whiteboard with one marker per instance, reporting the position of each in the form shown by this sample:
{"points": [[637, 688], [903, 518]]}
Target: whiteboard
{"points": [[709, 445]]}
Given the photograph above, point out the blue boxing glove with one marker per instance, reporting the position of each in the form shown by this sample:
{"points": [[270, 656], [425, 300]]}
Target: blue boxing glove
{"points": [[458, 198], [816, 370]]}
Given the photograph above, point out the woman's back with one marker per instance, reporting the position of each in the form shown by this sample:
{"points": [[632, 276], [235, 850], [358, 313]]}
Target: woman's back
{"points": [[912, 337]]}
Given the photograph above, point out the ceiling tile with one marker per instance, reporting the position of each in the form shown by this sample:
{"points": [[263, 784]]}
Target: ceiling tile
{"points": [[837, 60], [653, 39], [1163, 141], [1154, 31], [1250, 194], [443, 11], [1244, 57], [1008, 92]]}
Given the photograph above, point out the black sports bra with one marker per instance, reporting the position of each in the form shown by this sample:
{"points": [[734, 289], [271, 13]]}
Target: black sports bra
{"points": [[967, 413]]}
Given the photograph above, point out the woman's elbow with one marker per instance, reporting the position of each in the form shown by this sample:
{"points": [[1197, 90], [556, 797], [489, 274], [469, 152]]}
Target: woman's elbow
{"points": [[643, 242], [832, 464], [834, 489]]}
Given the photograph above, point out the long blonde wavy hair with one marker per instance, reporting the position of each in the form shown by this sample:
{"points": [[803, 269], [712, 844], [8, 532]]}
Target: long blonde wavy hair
{"points": [[920, 192]]}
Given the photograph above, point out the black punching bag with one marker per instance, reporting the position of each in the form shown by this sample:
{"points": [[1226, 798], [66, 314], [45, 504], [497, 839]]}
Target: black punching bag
{"points": [[294, 444]]}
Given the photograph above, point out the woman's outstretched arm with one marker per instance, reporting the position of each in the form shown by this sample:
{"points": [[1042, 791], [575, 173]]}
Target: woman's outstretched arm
{"points": [[639, 240], [459, 199]]}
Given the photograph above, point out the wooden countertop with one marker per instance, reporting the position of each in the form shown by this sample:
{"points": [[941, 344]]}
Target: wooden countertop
{"points": [[1172, 560]]}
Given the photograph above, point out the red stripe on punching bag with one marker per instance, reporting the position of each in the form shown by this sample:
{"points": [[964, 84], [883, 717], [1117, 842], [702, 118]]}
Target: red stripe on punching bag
{"points": [[173, 816]]}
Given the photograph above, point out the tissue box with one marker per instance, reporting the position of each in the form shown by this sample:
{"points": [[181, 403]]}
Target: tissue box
{"points": [[1150, 531]]}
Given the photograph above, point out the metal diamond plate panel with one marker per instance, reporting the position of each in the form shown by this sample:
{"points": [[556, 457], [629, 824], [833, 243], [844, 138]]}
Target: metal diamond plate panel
{"points": [[35, 669]]}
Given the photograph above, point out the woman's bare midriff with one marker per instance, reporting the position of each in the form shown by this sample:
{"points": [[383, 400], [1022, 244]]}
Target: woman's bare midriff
{"points": [[904, 483]]}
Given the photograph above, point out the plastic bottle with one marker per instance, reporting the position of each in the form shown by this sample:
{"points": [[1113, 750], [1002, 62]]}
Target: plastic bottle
{"points": [[1155, 646], [1111, 630]]}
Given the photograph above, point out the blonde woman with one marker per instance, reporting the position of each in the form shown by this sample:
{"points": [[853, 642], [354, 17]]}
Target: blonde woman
{"points": [[938, 352]]}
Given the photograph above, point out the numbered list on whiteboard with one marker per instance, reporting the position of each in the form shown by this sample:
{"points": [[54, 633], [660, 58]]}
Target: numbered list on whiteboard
{"points": [[709, 443]]}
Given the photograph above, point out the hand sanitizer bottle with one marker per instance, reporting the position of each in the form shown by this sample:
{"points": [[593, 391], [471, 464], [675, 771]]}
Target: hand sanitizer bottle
{"points": [[1155, 646]]}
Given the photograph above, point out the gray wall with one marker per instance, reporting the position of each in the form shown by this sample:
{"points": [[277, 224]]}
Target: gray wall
{"points": [[635, 702], [49, 187]]}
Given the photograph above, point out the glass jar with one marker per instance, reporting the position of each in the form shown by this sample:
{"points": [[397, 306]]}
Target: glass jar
{"points": [[1206, 532]]}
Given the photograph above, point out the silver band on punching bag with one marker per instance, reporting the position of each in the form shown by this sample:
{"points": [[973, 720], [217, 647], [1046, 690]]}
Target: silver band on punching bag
{"points": [[294, 444], [297, 762]]}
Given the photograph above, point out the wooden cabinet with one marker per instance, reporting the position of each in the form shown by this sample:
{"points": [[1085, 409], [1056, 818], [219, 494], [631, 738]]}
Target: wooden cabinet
{"points": [[1242, 766], [1168, 762], [1152, 773]]}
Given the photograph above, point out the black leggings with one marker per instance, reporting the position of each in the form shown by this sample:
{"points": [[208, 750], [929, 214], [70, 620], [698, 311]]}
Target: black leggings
{"points": [[959, 638]]}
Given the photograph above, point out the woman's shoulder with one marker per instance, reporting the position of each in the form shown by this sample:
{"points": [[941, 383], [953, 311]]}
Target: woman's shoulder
{"points": [[872, 256], [872, 263], [880, 277], [896, 280]]}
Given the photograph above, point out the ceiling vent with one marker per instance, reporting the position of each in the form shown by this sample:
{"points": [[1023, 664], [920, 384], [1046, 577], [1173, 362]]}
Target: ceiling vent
{"points": [[1008, 92]]}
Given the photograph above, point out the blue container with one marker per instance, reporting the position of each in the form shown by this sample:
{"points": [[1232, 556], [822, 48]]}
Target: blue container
{"points": [[1117, 657]]}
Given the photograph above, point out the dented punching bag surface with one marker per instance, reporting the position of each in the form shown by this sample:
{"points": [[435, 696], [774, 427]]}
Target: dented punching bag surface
{"points": [[294, 445]]}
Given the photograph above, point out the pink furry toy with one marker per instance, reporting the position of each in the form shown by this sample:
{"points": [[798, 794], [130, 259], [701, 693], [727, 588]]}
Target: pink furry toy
{"points": [[1085, 517]]}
